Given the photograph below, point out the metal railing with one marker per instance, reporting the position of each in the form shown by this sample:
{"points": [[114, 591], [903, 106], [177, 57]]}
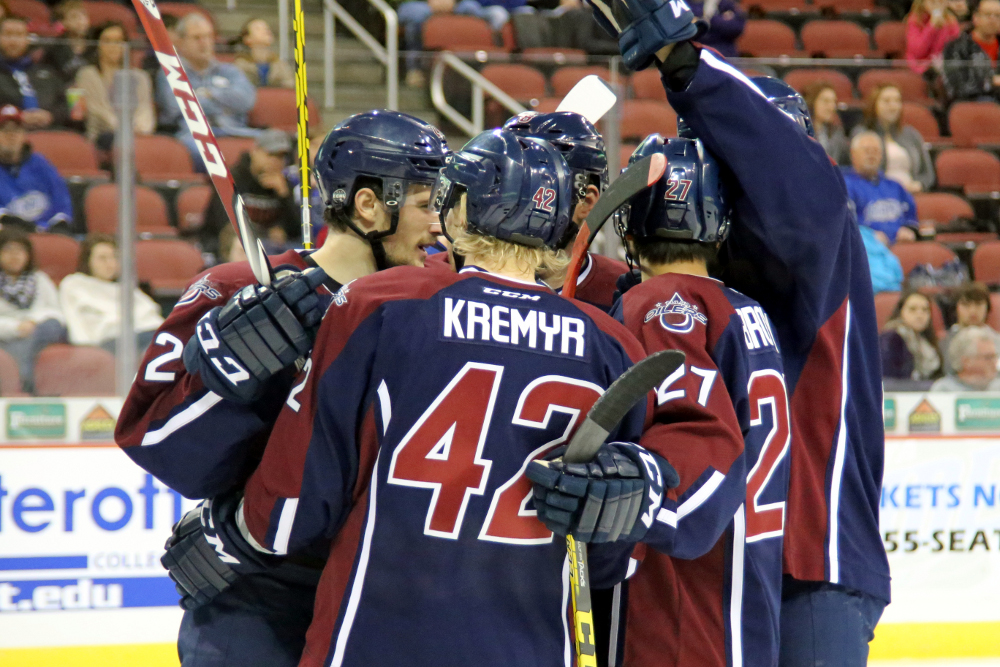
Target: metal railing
{"points": [[388, 54], [480, 87]]}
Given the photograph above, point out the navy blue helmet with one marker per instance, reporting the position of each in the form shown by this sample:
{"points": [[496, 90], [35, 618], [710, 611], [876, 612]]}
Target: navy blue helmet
{"points": [[786, 98], [576, 138], [686, 204], [518, 188]]}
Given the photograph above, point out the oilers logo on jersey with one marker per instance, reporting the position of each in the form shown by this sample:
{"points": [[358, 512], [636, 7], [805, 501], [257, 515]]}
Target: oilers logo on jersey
{"points": [[677, 315], [202, 287]]}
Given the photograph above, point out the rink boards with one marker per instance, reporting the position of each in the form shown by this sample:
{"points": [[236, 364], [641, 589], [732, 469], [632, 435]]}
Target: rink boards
{"points": [[82, 529]]}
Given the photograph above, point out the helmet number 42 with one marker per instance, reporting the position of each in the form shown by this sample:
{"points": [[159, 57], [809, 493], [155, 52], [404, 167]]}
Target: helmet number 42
{"points": [[544, 199]]}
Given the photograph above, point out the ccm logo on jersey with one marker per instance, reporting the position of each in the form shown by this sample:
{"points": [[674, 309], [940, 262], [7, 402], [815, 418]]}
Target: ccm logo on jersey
{"points": [[493, 323], [677, 315], [511, 295], [756, 327]]}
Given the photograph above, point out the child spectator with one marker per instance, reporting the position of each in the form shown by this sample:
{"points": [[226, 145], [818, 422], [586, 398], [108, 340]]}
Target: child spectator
{"points": [[68, 56], [97, 81], [929, 27], [905, 158], [30, 187], [821, 98], [259, 61], [908, 341], [30, 319], [91, 299], [34, 87], [878, 202], [974, 362], [972, 307]]}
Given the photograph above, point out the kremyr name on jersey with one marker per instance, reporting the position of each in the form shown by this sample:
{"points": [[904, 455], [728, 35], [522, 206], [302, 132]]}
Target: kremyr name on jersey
{"points": [[525, 327]]}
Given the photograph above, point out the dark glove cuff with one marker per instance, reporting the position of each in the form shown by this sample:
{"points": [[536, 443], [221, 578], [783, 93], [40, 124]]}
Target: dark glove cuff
{"points": [[680, 66]]}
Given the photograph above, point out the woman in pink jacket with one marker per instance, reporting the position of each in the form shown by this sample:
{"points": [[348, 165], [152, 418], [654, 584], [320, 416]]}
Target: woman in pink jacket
{"points": [[929, 27]]}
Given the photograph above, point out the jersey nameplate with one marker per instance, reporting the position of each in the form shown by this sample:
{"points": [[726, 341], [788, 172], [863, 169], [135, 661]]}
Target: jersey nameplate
{"points": [[505, 325], [756, 328]]}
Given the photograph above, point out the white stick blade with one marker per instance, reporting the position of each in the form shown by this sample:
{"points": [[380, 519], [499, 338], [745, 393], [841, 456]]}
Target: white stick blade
{"points": [[591, 97]]}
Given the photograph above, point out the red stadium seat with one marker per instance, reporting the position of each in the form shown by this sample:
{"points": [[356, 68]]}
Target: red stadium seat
{"points": [[168, 265], [100, 210], [32, 10], [103, 11], [275, 107], [972, 169], [885, 303], [641, 118], [71, 370], [554, 54], [182, 9], [922, 252], [974, 123], [993, 317], [10, 376], [507, 37], [911, 85], [890, 39], [625, 154], [835, 39], [766, 38], [522, 82], [784, 6], [233, 148], [452, 32], [191, 205], [646, 85], [69, 152], [55, 254], [159, 157], [986, 263], [941, 207], [850, 6], [564, 78], [921, 118], [547, 104], [800, 78]]}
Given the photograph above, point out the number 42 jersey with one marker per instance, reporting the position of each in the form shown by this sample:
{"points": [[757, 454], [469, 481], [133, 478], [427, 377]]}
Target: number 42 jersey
{"points": [[406, 439]]}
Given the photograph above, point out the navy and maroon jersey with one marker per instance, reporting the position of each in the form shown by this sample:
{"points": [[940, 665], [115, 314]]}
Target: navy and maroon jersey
{"points": [[795, 248], [171, 425], [711, 598], [405, 439], [596, 283]]}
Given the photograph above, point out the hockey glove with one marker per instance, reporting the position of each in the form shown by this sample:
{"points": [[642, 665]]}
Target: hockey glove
{"points": [[239, 347], [614, 497], [643, 27], [202, 559]]}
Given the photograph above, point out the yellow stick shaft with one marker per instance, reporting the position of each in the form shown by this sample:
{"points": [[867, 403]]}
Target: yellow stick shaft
{"points": [[303, 124], [583, 616]]}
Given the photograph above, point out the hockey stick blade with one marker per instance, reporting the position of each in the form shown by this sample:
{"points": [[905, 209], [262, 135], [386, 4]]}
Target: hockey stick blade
{"points": [[636, 178], [197, 123], [591, 97], [615, 403], [254, 249]]}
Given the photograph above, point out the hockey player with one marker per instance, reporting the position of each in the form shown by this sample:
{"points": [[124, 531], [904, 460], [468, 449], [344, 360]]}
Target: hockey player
{"points": [[407, 439], [199, 423], [795, 248]]}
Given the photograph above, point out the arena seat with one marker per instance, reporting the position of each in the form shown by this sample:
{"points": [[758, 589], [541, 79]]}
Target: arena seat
{"points": [[890, 39], [453, 32], [864, 7], [522, 82], [564, 78], [160, 157], [835, 39], [32, 10], [782, 6], [55, 254], [547, 104], [233, 148], [800, 78], [182, 9], [767, 38], [911, 85], [276, 107], [641, 118], [993, 317], [547, 55], [885, 302], [168, 265], [625, 153], [973, 170], [647, 85], [922, 252], [974, 123], [74, 370], [921, 118], [191, 204], [10, 376], [986, 263], [103, 11], [100, 210], [69, 152], [941, 207]]}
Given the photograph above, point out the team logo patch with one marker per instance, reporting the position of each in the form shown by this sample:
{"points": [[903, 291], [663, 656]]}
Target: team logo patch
{"points": [[202, 287], [677, 315], [340, 298]]}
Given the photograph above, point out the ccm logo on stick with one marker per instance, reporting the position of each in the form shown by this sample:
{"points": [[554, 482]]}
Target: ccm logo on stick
{"points": [[192, 114]]}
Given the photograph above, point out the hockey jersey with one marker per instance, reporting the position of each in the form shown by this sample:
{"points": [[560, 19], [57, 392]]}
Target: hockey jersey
{"points": [[415, 469], [795, 248], [597, 280], [712, 597]]}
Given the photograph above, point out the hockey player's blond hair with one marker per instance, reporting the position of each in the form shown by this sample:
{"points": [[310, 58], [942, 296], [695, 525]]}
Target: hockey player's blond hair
{"points": [[471, 246]]}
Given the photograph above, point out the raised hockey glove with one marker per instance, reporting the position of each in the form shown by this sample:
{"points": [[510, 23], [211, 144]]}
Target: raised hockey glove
{"points": [[614, 497], [643, 27], [205, 555], [239, 347]]}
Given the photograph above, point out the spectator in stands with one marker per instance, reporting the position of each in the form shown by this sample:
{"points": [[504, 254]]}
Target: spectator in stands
{"points": [[908, 341], [91, 299], [258, 60], [970, 61], [68, 56], [36, 88], [821, 98], [960, 8], [726, 21], [149, 62], [230, 247], [97, 81], [905, 158], [974, 362], [223, 90], [30, 187], [30, 319], [929, 27], [270, 202], [879, 202], [885, 269], [972, 307]]}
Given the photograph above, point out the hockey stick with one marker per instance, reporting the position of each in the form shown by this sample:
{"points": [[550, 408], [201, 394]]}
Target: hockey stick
{"points": [[604, 415], [590, 97], [636, 178], [303, 125], [208, 147]]}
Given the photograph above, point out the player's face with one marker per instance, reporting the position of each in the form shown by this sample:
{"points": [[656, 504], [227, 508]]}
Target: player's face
{"points": [[916, 312], [970, 313], [416, 231]]}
